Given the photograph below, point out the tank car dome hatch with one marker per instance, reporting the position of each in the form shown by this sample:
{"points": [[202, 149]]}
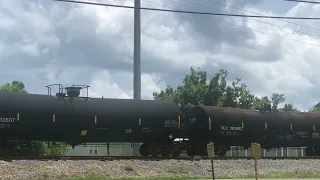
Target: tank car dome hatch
{"points": [[71, 92]]}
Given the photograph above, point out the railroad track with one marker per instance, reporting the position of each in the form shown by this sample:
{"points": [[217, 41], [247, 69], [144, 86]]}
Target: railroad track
{"points": [[111, 158]]}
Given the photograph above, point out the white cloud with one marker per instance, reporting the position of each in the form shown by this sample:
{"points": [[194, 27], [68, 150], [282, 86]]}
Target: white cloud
{"points": [[102, 85], [150, 83], [30, 49]]}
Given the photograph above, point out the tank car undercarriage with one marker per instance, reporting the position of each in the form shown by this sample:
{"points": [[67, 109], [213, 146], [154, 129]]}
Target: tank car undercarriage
{"points": [[313, 150], [7, 144], [163, 149], [175, 149], [201, 150]]}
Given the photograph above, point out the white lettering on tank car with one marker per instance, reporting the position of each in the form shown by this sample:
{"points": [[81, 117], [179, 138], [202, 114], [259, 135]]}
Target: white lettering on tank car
{"points": [[128, 131], [192, 120], [6, 120], [146, 130], [230, 128], [236, 128], [170, 123]]}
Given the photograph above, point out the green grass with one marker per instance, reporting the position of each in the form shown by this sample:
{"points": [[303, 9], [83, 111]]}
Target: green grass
{"points": [[251, 176], [128, 167], [179, 169], [95, 178], [283, 176]]}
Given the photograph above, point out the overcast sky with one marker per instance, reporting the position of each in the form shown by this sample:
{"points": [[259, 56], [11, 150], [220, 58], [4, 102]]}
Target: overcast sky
{"points": [[44, 42]]}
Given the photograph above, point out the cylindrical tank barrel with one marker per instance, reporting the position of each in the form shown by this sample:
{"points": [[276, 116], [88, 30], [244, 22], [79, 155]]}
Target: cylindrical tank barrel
{"points": [[235, 126], [47, 117]]}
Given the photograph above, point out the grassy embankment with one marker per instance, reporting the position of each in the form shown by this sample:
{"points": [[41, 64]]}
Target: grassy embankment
{"points": [[181, 170]]}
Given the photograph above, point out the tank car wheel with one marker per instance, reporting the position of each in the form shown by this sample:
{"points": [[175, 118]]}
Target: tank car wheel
{"points": [[165, 151], [191, 151], [144, 150], [4, 144], [176, 151], [309, 151], [155, 149], [202, 149], [221, 151], [317, 150], [28, 144]]}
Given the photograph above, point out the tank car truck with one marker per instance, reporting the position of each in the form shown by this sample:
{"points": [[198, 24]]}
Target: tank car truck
{"points": [[240, 127], [74, 119]]}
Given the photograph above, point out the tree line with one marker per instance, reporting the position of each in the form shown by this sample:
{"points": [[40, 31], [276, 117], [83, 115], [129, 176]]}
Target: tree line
{"points": [[198, 89]]}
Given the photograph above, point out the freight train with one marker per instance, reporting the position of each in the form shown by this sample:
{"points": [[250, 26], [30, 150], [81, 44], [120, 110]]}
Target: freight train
{"points": [[74, 119]]}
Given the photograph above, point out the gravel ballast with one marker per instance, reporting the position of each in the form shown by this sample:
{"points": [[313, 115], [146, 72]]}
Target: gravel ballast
{"points": [[33, 170]]}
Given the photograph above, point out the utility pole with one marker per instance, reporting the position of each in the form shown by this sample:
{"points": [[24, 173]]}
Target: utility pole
{"points": [[136, 62], [137, 53]]}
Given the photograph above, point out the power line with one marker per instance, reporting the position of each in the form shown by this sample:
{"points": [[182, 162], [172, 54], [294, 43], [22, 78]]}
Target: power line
{"points": [[312, 2], [187, 12], [253, 19], [247, 28], [213, 1]]}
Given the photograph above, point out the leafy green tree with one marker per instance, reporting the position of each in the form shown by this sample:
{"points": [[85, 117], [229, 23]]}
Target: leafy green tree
{"points": [[276, 99], [14, 86], [217, 87], [262, 103], [35, 148], [169, 93], [56, 149], [197, 89], [237, 95], [316, 108], [289, 107]]}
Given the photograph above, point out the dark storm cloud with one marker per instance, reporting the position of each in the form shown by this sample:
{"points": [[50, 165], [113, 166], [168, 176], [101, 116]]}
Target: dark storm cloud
{"points": [[79, 44], [243, 3], [212, 30], [96, 53], [271, 52], [75, 53]]}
